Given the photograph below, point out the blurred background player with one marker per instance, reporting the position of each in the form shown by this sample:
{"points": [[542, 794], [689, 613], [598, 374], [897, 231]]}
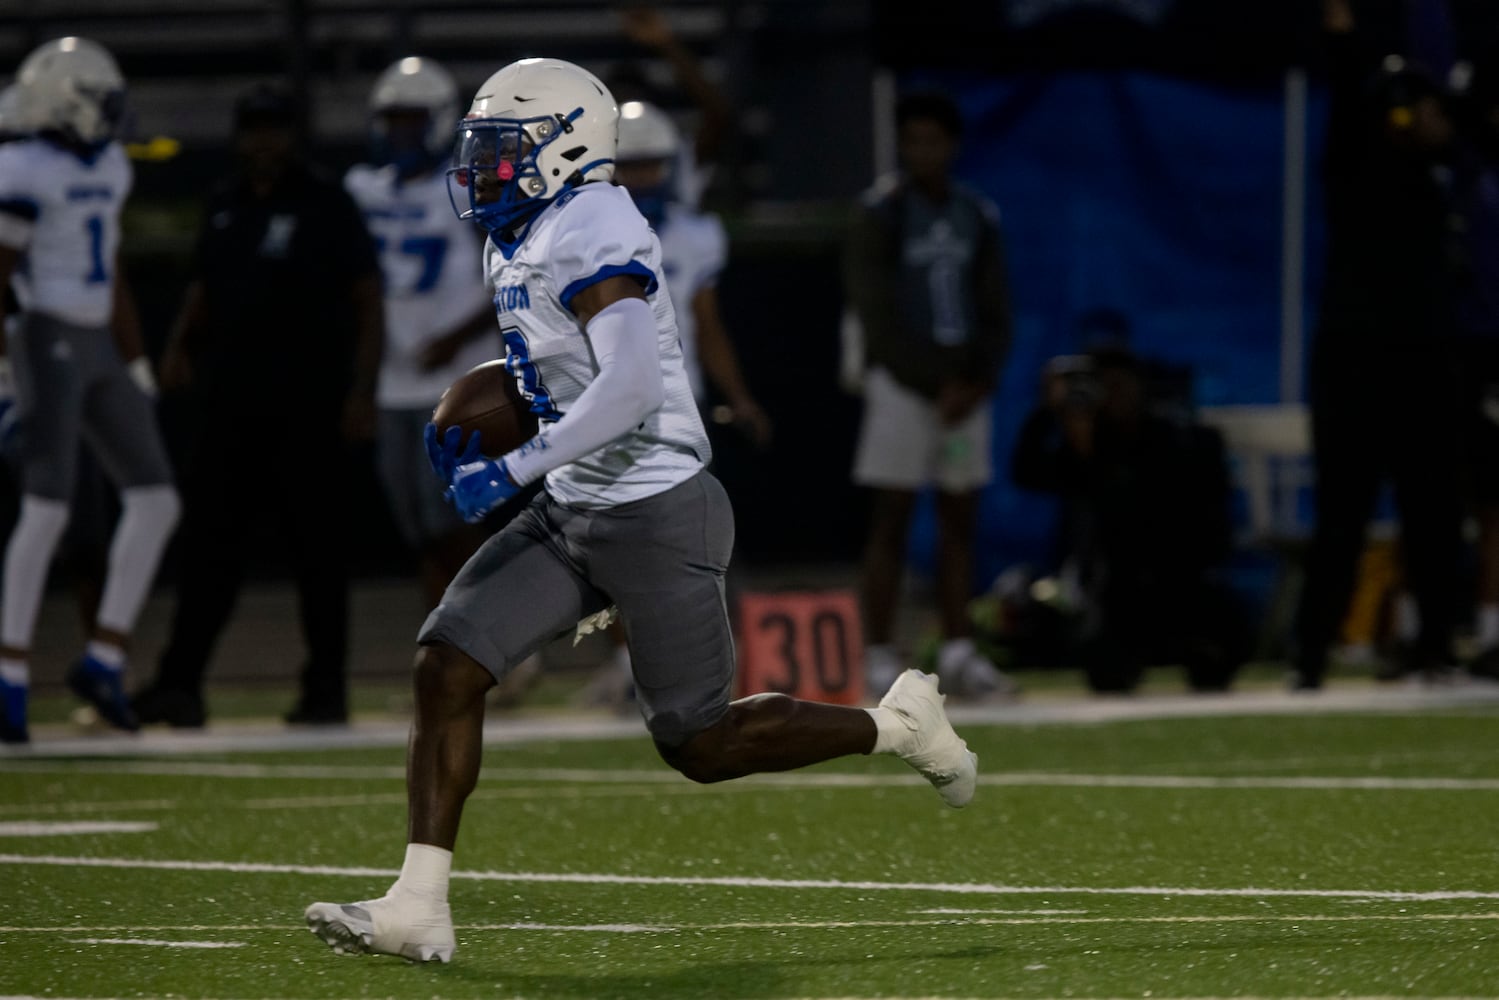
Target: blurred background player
{"points": [[279, 337], [84, 547], [12, 128], [439, 320], [694, 250], [61, 194], [924, 271]]}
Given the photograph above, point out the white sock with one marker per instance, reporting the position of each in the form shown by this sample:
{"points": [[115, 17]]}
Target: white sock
{"points": [[425, 871], [1488, 625], [106, 654], [28, 556], [15, 672], [891, 734], [146, 521]]}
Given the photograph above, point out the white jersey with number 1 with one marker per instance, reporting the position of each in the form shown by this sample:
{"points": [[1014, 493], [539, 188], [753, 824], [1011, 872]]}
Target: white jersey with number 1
{"points": [[62, 212], [587, 235]]}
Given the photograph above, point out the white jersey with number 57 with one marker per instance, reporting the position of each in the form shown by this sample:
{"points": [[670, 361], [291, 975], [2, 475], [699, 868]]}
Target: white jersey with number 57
{"points": [[432, 280], [585, 236], [62, 212]]}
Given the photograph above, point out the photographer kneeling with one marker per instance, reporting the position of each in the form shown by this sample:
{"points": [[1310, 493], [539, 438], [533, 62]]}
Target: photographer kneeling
{"points": [[1145, 495]]}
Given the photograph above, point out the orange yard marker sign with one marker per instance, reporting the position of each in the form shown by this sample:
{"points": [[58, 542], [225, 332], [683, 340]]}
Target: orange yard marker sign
{"points": [[807, 644]]}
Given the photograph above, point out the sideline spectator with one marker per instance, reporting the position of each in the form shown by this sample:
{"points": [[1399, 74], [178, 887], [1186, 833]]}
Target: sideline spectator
{"points": [[924, 270], [1145, 523], [280, 333], [1383, 385]]}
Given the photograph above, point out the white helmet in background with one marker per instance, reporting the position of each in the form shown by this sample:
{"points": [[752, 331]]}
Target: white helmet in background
{"points": [[417, 84], [536, 129], [646, 133], [73, 86]]}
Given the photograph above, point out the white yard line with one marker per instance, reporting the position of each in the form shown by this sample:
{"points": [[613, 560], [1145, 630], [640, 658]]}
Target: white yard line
{"points": [[664, 776], [742, 925], [753, 882], [159, 944], [72, 829], [118, 805]]}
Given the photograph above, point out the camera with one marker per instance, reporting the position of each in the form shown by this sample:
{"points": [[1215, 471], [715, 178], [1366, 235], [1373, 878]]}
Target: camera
{"points": [[1079, 379]]}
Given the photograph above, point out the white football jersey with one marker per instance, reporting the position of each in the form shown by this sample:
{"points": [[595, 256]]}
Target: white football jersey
{"points": [[694, 250], [433, 281], [63, 214], [589, 234]]}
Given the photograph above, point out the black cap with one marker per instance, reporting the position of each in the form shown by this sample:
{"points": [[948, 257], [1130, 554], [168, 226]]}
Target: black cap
{"points": [[265, 105]]}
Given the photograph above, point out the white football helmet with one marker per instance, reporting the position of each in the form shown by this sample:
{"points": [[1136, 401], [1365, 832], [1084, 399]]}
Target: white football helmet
{"points": [[417, 84], [536, 129], [73, 86], [646, 133]]}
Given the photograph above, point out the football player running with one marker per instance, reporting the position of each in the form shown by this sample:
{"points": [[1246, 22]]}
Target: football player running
{"points": [[437, 311], [629, 516], [61, 193]]}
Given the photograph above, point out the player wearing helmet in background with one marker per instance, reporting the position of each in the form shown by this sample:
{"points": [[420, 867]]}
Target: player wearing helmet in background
{"points": [[12, 127], [61, 193], [629, 517], [694, 250], [438, 319]]}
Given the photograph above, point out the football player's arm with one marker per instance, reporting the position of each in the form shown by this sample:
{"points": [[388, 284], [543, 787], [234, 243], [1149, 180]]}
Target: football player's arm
{"points": [[445, 347], [972, 370], [721, 364], [649, 27], [621, 329], [992, 307], [125, 324]]}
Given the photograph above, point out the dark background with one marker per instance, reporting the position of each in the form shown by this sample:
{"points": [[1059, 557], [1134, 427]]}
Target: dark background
{"points": [[803, 78]]}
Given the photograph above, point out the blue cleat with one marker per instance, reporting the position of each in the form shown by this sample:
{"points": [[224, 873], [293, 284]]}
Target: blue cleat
{"points": [[13, 713], [102, 688]]}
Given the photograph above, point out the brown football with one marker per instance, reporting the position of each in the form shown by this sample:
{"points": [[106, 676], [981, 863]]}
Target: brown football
{"points": [[485, 399]]}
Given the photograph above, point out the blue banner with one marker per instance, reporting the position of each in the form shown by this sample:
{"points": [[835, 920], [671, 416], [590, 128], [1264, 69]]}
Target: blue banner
{"points": [[1157, 197]]}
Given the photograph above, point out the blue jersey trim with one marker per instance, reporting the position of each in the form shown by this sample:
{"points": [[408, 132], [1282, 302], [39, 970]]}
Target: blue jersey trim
{"points": [[21, 208], [634, 269]]}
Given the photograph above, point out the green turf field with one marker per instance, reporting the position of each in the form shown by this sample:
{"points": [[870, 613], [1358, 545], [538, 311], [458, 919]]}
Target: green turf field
{"points": [[1310, 855]]}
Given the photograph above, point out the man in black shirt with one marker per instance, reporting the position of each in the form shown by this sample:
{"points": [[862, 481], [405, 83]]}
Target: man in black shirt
{"points": [[280, 335], [1382, 379]]}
